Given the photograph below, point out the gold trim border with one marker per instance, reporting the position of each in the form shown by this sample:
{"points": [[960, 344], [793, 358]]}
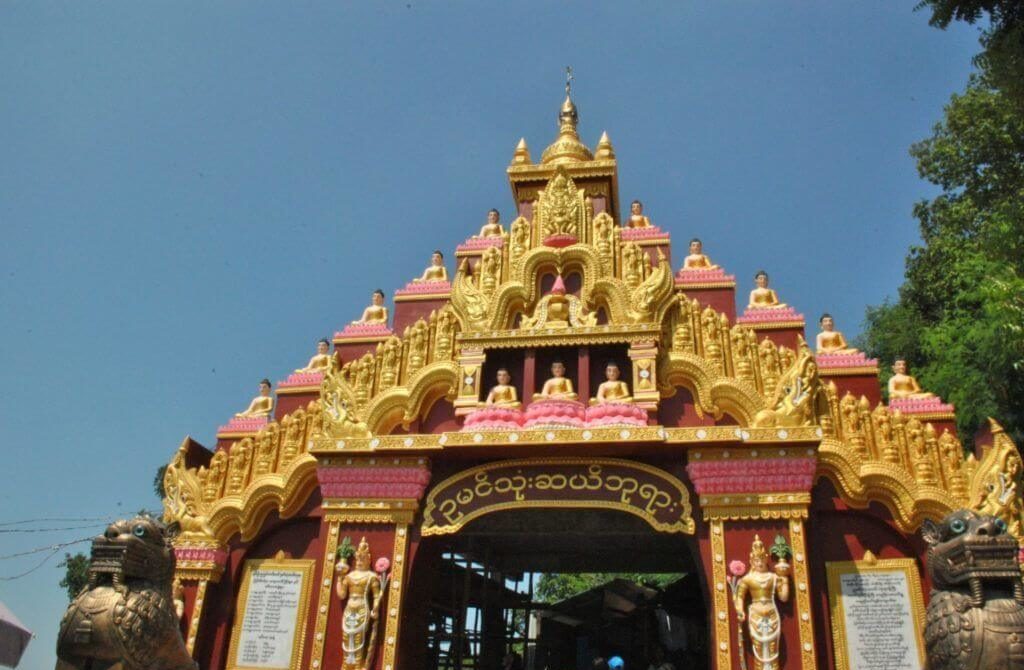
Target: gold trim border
{"points": [[743, 507], [197, 614], [422, 297], [704, 286], [848, 372], [834, 569], [805, 615], [361, 340], [394, 620], [720, 598], [773, 325], [296, 390], [323, 604], [301, 565]]}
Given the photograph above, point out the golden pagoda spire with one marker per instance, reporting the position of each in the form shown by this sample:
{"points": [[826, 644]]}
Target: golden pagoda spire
{"points": [[522, 154], [567, 147], [605, 151]]}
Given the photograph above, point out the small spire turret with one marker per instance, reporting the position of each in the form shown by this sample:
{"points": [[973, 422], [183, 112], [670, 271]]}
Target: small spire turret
{"points": [[605, 151], [522, 153]]}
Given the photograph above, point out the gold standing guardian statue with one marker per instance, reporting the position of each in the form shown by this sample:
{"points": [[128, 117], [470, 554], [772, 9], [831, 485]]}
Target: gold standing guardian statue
{"points": [[360, 590], [763, 586]]}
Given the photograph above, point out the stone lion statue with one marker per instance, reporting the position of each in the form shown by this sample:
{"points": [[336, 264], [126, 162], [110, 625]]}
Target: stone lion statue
{"points": [[124, 618]]}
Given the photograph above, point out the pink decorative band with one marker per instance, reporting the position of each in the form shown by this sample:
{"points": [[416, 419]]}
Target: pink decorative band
{"points": [[480, 243], [647, 233], [363, 330], [560, 240], [921, 405], [787, 313], [857, 360], [243, 425], [373, 482], [425, 287], [302, 379], [703, 276], [555, 414], [757, 475]]}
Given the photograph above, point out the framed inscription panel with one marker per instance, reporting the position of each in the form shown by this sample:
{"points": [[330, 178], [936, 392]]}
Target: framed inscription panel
{"points": [[877, 614], [270, 617]]}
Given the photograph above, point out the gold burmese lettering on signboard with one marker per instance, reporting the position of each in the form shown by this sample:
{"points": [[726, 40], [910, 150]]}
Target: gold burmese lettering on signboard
{"points": [[877, 614], [270, 620], [656, 496]]}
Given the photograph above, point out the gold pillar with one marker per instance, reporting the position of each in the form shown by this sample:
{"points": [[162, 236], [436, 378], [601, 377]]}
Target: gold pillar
{"points": [[471, 363], [720, 597], [395, 596], [644, 356], [323, 604], [804, 614], [197, 613]]}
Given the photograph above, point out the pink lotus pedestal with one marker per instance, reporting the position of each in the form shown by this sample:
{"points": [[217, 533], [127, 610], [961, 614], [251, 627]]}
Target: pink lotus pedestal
{"points": [[551, 413], [357, 339], [760, 317], [845, 361], [242, 426], [615, 414], [494, 417], [361, 330]]}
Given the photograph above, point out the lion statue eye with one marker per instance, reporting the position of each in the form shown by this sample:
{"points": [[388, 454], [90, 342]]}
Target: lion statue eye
{"points": [[139, 530], [1001, 525], [957, 526]]}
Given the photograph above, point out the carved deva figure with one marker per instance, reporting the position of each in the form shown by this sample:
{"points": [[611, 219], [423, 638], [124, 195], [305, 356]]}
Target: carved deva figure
{"points": [[436, 271], [975, 617], [124, 617], [762, 615], [360, 589], [321, 362], [503, 394], [904, 385], [262, 405], [797, 399], [376, 312], [830, 340], [763, 297]]}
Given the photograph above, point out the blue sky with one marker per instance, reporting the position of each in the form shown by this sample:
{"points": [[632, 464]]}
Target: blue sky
{"points": [[192, 194]]}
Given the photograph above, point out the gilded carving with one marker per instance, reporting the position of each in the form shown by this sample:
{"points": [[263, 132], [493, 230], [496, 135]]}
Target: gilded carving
{"points": [[797, 399], [997, 485], [645, 299], [560, 208]]}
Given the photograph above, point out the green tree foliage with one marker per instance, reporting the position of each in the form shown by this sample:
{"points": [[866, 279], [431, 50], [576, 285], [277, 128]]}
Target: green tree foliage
{"points": [[958, 319], [553, 587], [158, 482], [1002, 40], [76, 573]]}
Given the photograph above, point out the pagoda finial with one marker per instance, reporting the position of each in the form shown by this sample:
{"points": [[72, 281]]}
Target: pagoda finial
{"points": [[605, 150], [522, 154], [567, 147]]}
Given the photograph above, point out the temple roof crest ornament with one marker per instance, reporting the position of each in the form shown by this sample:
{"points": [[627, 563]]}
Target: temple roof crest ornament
{"points": [[567, 147]]}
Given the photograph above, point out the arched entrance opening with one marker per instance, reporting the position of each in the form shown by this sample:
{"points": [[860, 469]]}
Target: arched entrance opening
{"points": [[560, 582]]}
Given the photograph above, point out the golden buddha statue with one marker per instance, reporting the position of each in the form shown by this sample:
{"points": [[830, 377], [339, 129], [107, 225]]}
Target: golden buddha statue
{"points": [[262, 405], [322, 361], [557, 387], [376, 312], [763, 297], [904, 385], [831, 341], [636, 216], [762, 615], [360, 590], [697, 260], [492, 228], [503, 394], [613, 389], [436, 271]]}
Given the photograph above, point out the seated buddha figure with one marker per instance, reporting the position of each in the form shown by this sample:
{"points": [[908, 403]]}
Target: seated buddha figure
{"points": [[903, 385], [322, 361], [831, 341], [436, 270], [262, 405], [503, 394], [557, 387], [763, 297], [636, 216], [697, 260], [612, 389], [492, 228], [376, 312]]}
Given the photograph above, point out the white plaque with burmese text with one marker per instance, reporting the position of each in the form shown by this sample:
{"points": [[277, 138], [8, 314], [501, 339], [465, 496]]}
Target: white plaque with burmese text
{"points": [[270, 620], [877, 613]]}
